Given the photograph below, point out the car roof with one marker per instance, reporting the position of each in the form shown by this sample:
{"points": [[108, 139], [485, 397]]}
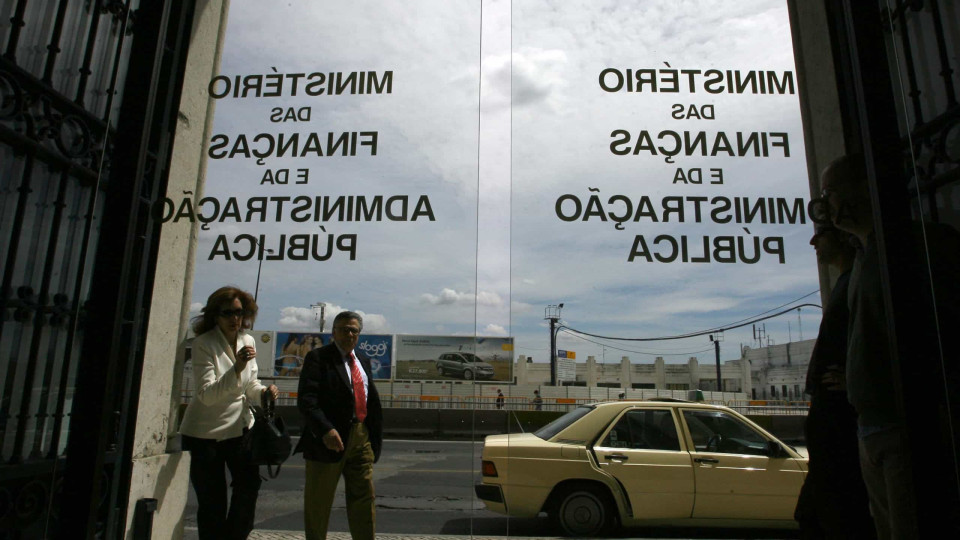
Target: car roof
{"points": [[605, 411], [658, 403]]}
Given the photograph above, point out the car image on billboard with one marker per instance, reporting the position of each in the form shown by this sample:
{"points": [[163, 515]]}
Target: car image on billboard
{"points": [[454, 358]]}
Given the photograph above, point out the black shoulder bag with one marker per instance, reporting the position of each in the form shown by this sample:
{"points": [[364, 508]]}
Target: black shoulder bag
{"points": [[269, 440]]}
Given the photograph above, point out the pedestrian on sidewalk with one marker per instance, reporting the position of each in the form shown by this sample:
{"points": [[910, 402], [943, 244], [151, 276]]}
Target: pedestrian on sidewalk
{"points": [[217, 421], [833, 500], [343, 431]]}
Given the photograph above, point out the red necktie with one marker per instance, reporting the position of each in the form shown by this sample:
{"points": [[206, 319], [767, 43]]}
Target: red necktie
{"points": [[359, 394]]}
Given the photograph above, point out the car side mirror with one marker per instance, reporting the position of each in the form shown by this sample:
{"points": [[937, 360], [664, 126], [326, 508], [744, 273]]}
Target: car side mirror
{"points": [[774, 450]]}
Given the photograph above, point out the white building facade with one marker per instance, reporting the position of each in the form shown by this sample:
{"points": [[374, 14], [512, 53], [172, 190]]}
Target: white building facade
{"points": [[776, 372]]}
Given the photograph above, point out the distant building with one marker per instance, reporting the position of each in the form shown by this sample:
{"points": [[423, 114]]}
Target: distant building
{"points": [[776, 372]]}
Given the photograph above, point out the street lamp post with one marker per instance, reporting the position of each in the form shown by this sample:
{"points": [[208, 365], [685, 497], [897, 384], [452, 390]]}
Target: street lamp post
{"points": [[552, 314], [716, 338], [323, 312], [256, 290]]}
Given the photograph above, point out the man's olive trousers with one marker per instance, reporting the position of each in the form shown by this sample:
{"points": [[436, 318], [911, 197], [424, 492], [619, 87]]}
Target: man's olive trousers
{"points": [[356, 466]]}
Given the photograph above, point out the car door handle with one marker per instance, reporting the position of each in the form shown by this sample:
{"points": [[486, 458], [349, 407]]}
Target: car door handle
{"points": [[705, 460], [621, 457]]}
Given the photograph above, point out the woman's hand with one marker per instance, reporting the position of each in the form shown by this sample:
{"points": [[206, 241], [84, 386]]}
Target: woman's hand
{"points": [[244, 355], [272, 391]]}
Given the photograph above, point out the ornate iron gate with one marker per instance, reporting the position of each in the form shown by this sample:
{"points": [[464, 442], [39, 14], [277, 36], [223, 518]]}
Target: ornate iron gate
{"points": [[923, 35], [84, 140]]}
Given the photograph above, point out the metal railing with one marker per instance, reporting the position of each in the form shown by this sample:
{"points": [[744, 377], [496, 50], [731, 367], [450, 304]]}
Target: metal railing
{"points": [[769, 407], [427, 402], [417, 401]]}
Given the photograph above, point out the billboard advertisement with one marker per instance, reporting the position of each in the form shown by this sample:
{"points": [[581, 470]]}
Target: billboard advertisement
{"points": [[454, 357], [265, 346], [292, 347]]}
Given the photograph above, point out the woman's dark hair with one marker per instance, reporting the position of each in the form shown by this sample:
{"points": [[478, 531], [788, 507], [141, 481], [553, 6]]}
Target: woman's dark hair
{"points": [[207, 320]]}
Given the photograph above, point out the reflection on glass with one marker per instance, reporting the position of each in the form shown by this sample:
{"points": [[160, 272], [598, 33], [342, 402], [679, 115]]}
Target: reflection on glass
{"points": [[550, 430], [659, 195], [342, 175]]}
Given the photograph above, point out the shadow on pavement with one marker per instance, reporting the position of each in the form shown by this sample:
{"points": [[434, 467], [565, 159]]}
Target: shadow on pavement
{"points": [[544, 527]]}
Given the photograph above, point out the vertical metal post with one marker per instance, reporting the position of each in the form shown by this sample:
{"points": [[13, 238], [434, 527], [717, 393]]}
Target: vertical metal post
{"points": [[552, 314], [553, 352], [260, 252], [716, 348], [256, 290]]}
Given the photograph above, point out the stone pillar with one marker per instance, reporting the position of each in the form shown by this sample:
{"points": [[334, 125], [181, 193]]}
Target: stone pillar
{"points": [[520, 371], [625, 372], [591, 375], [745, 378], [159, 469], [659, 374], [694, 367], [819, 102]]}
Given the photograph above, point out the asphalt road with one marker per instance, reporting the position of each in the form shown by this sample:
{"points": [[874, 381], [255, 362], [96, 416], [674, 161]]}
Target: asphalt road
{"points": [[426, 488]]}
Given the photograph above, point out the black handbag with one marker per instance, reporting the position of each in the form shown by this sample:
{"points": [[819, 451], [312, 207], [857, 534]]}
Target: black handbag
{"points": [[269, 441]]}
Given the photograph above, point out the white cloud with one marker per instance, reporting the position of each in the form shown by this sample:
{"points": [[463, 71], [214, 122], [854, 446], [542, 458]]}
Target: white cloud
{"points": [[298, 318], [308, 319], [518, 307], [538, 78], [374, 323], [449, 297], [494, 330]]}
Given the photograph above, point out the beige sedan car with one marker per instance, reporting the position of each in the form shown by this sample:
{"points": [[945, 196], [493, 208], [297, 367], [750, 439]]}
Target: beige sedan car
{"points": [[656, 462]]}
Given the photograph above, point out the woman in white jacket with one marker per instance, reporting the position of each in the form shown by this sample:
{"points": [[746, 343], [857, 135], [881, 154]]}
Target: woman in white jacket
{"points": [[218, 418]]}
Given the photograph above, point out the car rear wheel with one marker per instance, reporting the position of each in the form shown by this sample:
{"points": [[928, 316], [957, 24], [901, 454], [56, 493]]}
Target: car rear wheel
{"points": [[583, 511], [467, 374]]}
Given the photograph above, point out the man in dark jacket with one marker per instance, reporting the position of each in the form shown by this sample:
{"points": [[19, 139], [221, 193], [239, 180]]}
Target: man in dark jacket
{"points": [[343, 430], [833, 501]]}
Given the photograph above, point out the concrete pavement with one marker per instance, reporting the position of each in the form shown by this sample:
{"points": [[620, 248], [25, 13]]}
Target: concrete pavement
{"points": [[261, 534], [292, 535]]}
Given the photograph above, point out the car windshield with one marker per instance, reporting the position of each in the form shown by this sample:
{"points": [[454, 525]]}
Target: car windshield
{"points": [[470, 357], [548, 431]]}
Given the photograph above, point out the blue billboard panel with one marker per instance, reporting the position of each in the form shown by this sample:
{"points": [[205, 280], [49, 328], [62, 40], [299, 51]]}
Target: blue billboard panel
{"points": [[292, 348]]}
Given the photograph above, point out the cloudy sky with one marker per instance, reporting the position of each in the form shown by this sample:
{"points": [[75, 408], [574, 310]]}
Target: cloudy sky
{"points": [[493, 122]]}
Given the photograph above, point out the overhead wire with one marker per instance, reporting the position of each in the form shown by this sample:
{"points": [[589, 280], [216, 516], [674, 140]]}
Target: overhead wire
{"points": [[811, 293], [693, 334], [639, 352]]}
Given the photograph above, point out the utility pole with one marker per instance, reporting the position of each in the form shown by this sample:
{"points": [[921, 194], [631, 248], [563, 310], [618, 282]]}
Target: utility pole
{"points": [[800, 324], [552, 314], [716, 338], [256, 289]]}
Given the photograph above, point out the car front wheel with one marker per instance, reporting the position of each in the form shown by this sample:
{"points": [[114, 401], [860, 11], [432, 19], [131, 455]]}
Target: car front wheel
{"points": [[440, 370], [467, 374], [583, 512]]}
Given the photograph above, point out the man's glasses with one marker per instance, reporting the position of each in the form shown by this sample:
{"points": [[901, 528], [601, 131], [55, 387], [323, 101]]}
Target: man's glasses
{"points": [[229, 313], [347, 330], [822, 231]]}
